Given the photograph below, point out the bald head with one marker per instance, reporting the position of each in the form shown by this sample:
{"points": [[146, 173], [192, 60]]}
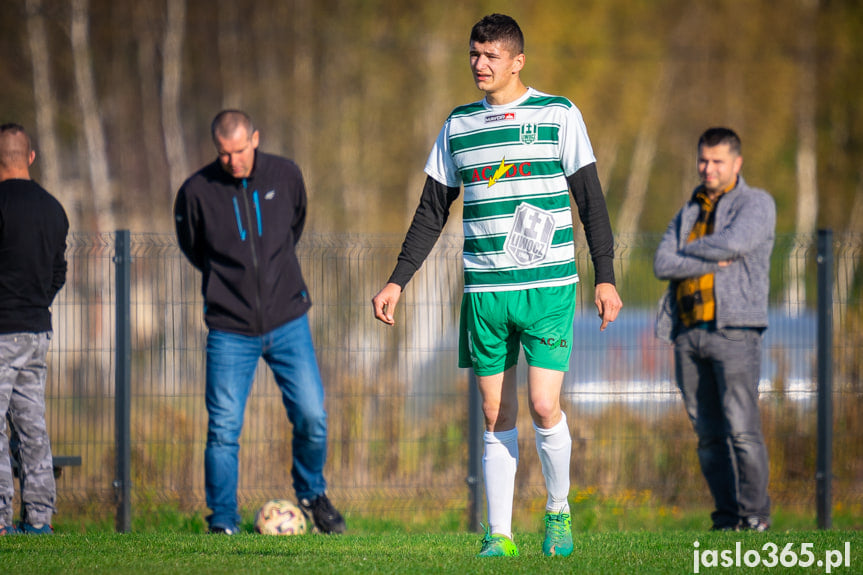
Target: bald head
{"points": [[226, 123], [15, 152], [236, 141]]}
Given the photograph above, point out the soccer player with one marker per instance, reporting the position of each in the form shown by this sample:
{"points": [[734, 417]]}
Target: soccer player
{"points": [[715, 255], [518, 153]]}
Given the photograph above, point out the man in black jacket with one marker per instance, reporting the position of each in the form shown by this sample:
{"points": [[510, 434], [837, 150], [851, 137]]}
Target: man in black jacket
{"points": [[33, 229], [238, 222]]}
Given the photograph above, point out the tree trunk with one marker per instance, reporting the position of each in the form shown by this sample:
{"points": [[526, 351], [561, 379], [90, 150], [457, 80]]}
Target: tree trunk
{"points": [[151, 135], [433, 113], [230, 60], [172, 67], [46, 106], [302, 92], [95, 138], [268, 27], [642, 162], [846, 267], [807, 172], [644, 154]]}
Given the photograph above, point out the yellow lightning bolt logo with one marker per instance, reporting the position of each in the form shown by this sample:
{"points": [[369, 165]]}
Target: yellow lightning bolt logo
{"points": [[499, 172]]}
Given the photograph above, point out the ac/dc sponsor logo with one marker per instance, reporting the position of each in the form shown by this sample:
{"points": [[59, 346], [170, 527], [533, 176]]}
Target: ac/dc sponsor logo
{"points": [[554, 342], [500, 117], [486, 173]]}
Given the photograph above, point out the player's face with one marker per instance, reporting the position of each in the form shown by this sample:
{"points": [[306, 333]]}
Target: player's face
{"points": [[494, 68], [237, 153], [718, 167]]}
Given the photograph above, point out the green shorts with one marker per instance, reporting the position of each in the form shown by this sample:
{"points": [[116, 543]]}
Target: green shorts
{"points": [[493, 324]]}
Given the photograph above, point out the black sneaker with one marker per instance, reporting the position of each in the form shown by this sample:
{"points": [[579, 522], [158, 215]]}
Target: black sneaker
{"points": [[219, 530], [754, 524], [327, 518]]}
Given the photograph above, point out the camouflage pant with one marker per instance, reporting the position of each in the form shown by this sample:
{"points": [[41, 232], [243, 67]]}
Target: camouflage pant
{"points": [[22, 398]]}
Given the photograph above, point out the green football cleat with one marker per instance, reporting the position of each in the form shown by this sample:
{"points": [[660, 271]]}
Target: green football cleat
{"points": [[497, 546], [558, 535]]}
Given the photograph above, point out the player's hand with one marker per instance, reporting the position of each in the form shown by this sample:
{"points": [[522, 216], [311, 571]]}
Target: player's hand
{"points": [[607, 302], [385, 303]]}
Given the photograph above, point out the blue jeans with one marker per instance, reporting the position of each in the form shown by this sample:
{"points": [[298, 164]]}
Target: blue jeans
{"points": [[231, 363], [717, 373]]}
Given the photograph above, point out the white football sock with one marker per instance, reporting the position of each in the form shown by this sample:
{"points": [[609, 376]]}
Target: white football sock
{"points": [[499, 462], [554, 446]]}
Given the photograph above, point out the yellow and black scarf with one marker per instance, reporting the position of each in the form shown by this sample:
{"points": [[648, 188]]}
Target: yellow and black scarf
{"points": [[695, 295]]}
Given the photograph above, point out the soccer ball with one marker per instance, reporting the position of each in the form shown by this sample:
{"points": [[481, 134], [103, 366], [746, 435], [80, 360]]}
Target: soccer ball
{"points": [[280, 517]]}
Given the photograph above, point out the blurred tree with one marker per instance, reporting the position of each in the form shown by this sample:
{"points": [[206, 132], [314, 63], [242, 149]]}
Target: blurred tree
{"points": [[45, 107], [302, 91], [356, 92], [172, 70], [231, 52], [102, 207], [807, 161], [145, 26]]}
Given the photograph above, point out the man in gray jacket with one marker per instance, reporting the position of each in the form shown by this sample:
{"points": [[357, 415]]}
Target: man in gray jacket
{"points": [[716, 256]]}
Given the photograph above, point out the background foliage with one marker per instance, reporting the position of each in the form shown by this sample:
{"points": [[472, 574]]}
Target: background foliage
{"points": [[119, 96], [356, 92]]}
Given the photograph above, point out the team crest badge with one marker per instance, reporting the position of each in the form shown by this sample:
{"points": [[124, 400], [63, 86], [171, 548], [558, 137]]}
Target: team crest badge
{"points": [[528, 133], [530, 238]]}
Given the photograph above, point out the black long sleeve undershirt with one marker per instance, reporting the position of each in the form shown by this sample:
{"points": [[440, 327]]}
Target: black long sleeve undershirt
{"points": [[433, 211], [593, 213], [429, 219]]}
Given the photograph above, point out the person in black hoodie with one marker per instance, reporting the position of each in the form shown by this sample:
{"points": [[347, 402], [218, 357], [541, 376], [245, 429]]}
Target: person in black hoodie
{"points": [[238, 221], [33, 229]]}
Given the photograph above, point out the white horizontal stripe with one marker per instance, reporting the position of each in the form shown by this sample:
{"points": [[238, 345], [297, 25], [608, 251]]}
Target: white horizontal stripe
{"points": [[500, 225], [538, 188], [491, 154], [501, 261], [528, 285]]}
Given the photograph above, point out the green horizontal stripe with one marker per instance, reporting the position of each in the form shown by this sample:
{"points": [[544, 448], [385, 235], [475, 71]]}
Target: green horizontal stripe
{"points": [[541, 101], [483, 138], [495, 208], [468, 109], [517, 276], [484, 245], [497, 136]]}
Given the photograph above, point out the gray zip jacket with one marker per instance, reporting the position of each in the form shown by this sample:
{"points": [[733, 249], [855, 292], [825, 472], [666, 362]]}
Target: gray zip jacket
{"points": [[743, 232]]}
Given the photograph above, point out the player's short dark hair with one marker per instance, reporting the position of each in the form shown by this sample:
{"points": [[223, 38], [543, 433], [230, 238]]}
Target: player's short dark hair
{"points": [[499, 28], [715, 136], [227, 121]]}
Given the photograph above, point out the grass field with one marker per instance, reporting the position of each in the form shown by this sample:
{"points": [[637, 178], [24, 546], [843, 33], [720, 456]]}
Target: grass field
{"points": [[637, 540], [609, 552]]}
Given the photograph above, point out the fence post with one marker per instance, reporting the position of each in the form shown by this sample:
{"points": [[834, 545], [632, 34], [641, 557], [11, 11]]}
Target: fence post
{"points": [[122, 382], [476, 427], [824, 463]]}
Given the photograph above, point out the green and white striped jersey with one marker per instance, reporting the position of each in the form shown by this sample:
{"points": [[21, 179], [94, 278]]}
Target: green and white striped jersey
{"points": [[513, 161]]}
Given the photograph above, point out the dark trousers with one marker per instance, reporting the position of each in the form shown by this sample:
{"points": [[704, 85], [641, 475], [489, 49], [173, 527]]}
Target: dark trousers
{"points": [[717, 372]]}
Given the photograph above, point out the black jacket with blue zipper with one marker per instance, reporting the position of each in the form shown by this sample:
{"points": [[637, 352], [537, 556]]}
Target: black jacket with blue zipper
{"points": [[242, 235]]}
